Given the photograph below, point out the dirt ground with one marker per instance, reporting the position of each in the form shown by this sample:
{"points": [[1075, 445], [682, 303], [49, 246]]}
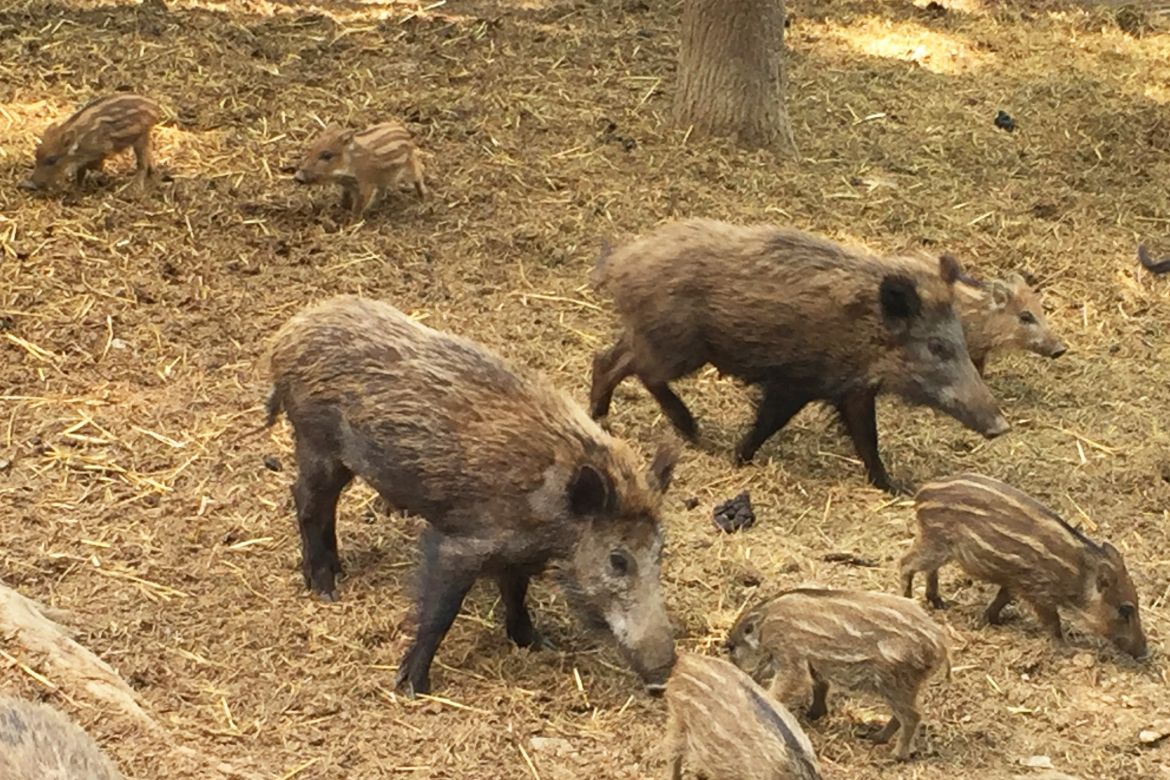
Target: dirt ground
{"points": [[130, 328]]}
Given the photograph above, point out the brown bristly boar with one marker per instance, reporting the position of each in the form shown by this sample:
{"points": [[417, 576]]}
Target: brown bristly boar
{"points": [[800, 316], [1002, 535], [722, 724], [510, 474], [100, 128], [365, 163], [861, 641], [38, 742], [1004, 314]]}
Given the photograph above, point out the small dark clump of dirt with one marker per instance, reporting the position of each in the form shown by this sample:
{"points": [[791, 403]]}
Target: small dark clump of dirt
{"points": [[735, 514]]}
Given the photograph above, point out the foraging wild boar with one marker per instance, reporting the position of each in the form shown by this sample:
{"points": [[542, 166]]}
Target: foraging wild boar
{"points": [[38, 742], [724, 725], [1002, 535], [1004, 314], [98, 129], [366, 163], [866, 642], [803, 317], [511, 475]]}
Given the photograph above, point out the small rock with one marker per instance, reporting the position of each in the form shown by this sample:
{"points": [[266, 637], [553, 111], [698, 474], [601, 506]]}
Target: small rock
{"points": [[735, 514], [1083, 660], [118, 344], [271, 463], [554, 745], [1155, 733], [1004, 121], [1037, 762]]}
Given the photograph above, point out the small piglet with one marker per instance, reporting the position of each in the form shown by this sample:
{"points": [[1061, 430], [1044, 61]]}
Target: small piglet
{"points": [[98, 129], [38, 742], [866, 642], [1004, 314], [364, 162], [1001, 535], [722, 723]]}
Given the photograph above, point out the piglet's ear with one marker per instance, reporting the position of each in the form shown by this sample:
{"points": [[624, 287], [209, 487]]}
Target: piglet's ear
{"points": [[949, 269], [662, 468], [1001, 293], [590, 491]]}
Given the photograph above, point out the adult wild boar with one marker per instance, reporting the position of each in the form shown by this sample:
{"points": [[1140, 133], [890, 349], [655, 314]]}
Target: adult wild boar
{"points": [[510, 474], [802, 317]]}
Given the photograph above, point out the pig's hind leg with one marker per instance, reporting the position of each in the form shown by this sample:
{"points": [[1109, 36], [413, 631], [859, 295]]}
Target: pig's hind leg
{"points": [[777, 406], [320, 480]]}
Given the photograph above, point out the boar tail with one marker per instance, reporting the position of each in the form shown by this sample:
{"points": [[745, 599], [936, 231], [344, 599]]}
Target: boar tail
{"points": [[273, 406], [597, 276]]}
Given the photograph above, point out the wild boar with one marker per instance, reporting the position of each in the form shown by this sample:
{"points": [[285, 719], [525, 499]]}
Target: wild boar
{"points": [[724, 725], [1001, 535], [98, 129], [1004, 314], [866, 642], [802, 317], [38, 742], [510, 474], [366, 163]]}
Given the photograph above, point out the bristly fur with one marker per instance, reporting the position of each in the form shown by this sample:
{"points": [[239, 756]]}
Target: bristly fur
{"points": [[722, 724], [867, 642], [38, 742], [1002, 535]]}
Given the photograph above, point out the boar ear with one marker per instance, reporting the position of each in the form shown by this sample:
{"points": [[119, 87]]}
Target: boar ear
{"points": [[590, 491], [949, 269], [347, 135], [1017, 281], [662, 468], [1001, 293], [899, 298]]}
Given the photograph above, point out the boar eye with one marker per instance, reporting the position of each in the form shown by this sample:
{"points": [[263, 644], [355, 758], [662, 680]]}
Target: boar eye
{"points": [[619, 563], [940, 349], [1028, 318], [1126, 611], [326, 155], [52, 160]]}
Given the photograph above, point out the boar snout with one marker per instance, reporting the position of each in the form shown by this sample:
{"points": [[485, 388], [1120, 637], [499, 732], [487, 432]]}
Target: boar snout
{"points": [[645, 637], [301, 176], [1056, 350], [998, 427], [29, 184]]}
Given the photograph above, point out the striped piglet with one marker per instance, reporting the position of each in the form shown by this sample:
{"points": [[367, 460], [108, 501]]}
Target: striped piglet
{"points": [[1001, 535]]}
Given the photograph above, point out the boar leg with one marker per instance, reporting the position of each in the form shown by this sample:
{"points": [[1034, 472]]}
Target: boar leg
{"points": [[320, 481], [513, 591], [1050, 619], [907, 716], [610, 367], [674, 409], [1001, 600], [923, 558], [363, 198], [416, 174], [143, 158], [859, 414], [820, 694], [676, 745], [445, 576], [777, 406], [348, 193], [90, 167]]}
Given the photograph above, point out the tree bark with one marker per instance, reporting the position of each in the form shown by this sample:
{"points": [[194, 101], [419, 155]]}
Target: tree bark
{"points": [[731, 72]]}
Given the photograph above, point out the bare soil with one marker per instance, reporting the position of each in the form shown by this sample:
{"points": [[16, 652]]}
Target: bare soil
{"points": [[131, 325]]}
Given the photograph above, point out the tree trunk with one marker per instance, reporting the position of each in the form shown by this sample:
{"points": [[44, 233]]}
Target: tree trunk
{"points": [[731, 72]]}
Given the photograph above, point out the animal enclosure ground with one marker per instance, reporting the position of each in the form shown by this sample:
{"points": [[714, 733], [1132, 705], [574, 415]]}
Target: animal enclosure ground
{"points": [[130, 328]]}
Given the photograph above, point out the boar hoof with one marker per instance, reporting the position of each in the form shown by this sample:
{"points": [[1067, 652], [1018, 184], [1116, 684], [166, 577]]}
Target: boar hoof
{"points": [[526, 636], [410, 684], [816, 713], [328, 596], [937, 602]]}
